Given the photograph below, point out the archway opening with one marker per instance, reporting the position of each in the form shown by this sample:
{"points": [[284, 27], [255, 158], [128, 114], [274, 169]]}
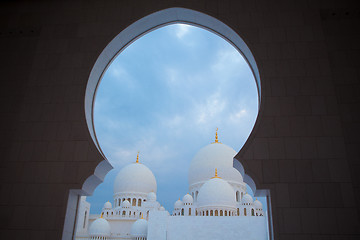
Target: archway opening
{"points": [[133, 32]]}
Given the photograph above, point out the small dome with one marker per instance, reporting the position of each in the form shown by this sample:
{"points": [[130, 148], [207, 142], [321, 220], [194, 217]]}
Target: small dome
{"points": [[188, 199], [107, 205], [216, 192], [100, 228], [135, 178], [139, 228], [126, 204], [178, 204], [257, 204], [161, 208], [247, 199], [151, 197]]}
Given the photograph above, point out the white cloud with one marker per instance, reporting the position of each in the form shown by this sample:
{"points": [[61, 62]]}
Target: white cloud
{"points": [[182, 30], [236, 116], [227, 59], [213, 107]]}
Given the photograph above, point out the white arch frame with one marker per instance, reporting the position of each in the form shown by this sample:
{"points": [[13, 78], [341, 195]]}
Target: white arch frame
{"points": [[116, 46]]}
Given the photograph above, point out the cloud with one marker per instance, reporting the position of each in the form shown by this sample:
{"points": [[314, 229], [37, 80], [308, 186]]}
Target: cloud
{"points": [[213, 106], [236, 116], [182, 30]]}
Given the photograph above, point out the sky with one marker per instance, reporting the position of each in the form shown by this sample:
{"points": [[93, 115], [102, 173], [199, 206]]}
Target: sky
{"points": [[165, 95]]}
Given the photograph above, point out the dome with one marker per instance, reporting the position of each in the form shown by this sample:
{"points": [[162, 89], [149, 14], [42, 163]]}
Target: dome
{"points": [[135, 178], [178, 204], [126, 204], [257, 204], [100, 228], [247, 199], [161, 208], [216, 192], [188, 199], [107, 205], [215, 155], [151, 197], [139, 228]]}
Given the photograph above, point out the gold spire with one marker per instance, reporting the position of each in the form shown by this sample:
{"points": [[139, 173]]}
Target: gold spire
{"points": [[137, 157], [216, 136], [142, 216], [216, 175], [101, 215]]}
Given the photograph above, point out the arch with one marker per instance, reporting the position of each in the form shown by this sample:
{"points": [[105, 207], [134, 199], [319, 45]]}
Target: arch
{"points": [[211, 213], [115, 47], [182, 212], [134, 201], [189, 211], [244, 211], [150, 23], [216, 213], [252, 212], [225, 213], [221, 213], [139, 202], [237, 196], [238, 212]]}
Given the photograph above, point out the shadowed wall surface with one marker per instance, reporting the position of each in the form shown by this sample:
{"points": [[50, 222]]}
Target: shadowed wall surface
{"points": [[304, 148]]}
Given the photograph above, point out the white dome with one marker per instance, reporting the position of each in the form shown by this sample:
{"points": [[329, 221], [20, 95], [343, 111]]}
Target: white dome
{"points": [[188, 199], [100, 228], [107, 205], [135, 178], [161, 208], [139, 228], [125, 204], [215, 155], [247, 199], [257, 204], [178, 204], [216, 192], [151, 197]]}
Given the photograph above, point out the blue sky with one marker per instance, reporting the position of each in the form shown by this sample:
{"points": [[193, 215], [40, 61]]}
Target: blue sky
{"points": [[164, 96]]}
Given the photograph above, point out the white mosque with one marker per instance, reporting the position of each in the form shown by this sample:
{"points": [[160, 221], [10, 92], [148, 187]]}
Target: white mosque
{"points": [[217, 207]]}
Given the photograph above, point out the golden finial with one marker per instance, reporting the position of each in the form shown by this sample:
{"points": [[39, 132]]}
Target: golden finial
{"points": [[101, 215], [137, 157], [216, 136], [216, 175], [142, 215]]}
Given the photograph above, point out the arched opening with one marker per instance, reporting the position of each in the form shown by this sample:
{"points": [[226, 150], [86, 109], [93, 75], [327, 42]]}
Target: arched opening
{"points": [[206, 22], [139, 203]]}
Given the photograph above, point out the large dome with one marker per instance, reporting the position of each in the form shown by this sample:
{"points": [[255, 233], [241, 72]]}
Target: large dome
{"points": [[215, 155], [216, 192], [100, 228], [135, 178]]}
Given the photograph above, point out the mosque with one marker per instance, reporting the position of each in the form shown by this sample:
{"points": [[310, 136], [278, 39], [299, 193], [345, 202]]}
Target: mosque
{"points": [[216, 207]]}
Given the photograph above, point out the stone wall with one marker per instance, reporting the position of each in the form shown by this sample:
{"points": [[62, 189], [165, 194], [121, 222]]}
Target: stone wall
{"points": [[304, 148]]}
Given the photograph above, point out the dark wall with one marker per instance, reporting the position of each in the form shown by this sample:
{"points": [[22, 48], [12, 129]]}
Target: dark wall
{"points": [[305, 147]]}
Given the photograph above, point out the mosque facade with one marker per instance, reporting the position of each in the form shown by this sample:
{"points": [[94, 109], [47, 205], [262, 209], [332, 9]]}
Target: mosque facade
{"points": [[216, 207]]}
